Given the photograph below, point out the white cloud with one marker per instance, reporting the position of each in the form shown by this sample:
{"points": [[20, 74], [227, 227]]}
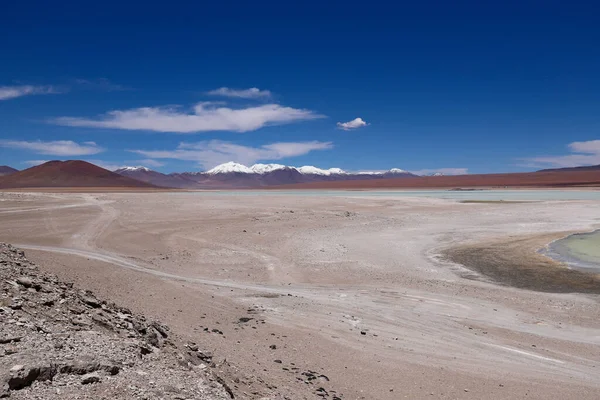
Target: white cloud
{"points": [[583, 153], [205, 117], [101, 84], [33, 163], [444, 171], [252, 93], [12, 92], [215, 152], [150, 163], [350, 125], [55, 147]]}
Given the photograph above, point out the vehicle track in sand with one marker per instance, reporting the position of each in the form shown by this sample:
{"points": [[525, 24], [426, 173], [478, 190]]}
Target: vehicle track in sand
{"points": [[432, 326]]}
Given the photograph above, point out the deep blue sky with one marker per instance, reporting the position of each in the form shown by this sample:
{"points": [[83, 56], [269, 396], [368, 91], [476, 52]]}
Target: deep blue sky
{"points": [[483, 86]]}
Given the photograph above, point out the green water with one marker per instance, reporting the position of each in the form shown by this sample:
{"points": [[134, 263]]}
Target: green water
{"points": [[477, 195], [581, 250]]}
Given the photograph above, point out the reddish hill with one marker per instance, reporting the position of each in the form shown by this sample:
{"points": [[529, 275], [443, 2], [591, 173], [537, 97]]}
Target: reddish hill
{"points": [[68, 174], [531, 179], [6, 170]]}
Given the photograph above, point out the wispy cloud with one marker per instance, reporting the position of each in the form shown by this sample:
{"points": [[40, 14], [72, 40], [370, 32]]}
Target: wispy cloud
{"points": [[54, 148], [444, 171], [351, 125], [33, 163], [582, 153], [12, 92], [252, 93], [150, 163], [214, 152], [100, 84], [205, 117]]}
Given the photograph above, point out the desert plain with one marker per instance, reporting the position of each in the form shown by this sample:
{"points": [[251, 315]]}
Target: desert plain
{"points": [[362, 292]]}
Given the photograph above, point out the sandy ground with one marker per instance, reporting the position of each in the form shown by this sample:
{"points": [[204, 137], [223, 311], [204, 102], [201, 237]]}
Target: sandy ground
{"points": [[355, 289]]}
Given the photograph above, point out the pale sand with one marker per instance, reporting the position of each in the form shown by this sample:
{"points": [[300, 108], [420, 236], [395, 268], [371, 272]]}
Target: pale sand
{"points": [[319, 271]]}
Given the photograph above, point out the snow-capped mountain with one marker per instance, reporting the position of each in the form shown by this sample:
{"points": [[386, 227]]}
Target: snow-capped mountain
{"points": [[228, 168], [133, 169], [266, 168], [235, 175]]}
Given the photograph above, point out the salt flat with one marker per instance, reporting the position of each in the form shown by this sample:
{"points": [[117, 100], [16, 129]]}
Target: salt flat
{"points": [[353, 288]]}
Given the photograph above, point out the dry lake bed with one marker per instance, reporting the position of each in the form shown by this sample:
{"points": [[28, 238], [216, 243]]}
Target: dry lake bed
{"points": [[378, 295]]}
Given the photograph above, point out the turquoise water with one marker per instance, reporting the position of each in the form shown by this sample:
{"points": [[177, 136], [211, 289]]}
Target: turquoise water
{"points": [[581, 251], [476, 195]]}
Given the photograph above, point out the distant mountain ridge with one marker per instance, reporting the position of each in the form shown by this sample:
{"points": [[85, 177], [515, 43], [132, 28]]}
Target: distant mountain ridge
{"points": [[584, 168], [6, 170], [73, 173], [235, 175]]}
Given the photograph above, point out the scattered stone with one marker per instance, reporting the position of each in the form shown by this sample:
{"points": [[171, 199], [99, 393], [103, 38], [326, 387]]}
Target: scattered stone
{"points": [[25, 281], [94, 377], [273, 347], [58, 341]]}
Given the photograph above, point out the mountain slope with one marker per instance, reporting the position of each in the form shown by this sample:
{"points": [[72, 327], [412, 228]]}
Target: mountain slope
{"points": [[571, 169], [147, 175], [72, 173], [530, 179], [232, 175], [6, 170]]}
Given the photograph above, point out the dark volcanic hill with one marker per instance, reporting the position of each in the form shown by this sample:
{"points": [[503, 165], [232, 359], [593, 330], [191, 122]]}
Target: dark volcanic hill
{"points": [[6, 170], [68, 174], [584, 168]]}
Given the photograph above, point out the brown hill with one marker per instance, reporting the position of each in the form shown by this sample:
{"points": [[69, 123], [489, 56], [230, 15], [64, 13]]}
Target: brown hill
{"points": [[530, 179], [72, 173], [6, 170]]}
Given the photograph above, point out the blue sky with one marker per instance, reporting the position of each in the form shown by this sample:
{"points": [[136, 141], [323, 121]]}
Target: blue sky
{"points": [[459, 86]]}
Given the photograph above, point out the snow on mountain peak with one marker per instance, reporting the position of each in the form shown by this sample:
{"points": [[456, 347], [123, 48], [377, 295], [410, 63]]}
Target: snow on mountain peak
{"points": [[265, 168], [230, 167], [262, 169], [134, 169], [308, 169]]}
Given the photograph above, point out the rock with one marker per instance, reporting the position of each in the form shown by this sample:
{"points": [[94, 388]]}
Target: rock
{"points": [[94, 377], [50, 329], [273, 347], [192, 346], [17, 368], [278, 361], [91, 301], [25, 281]]}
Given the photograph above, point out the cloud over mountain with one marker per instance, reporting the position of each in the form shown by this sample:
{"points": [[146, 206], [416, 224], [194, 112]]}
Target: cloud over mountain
{"points": [[214, 152], [55, 147], [582, 153], [205, 116]]}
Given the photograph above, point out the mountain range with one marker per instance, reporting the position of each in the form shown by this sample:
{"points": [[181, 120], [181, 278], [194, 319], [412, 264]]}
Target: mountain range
{"points": [[75, 173], [234, 175], [72, 173]]}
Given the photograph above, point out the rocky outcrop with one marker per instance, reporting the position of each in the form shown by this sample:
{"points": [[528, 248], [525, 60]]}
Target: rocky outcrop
{"points": [[60, 342]]}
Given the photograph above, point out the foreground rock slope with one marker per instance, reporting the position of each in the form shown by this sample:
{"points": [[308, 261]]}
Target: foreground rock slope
{"points": [[60, 342]]}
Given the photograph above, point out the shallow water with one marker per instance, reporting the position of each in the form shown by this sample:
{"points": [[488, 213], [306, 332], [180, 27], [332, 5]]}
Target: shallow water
{"points": [[475, 195], [581, 251]]}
